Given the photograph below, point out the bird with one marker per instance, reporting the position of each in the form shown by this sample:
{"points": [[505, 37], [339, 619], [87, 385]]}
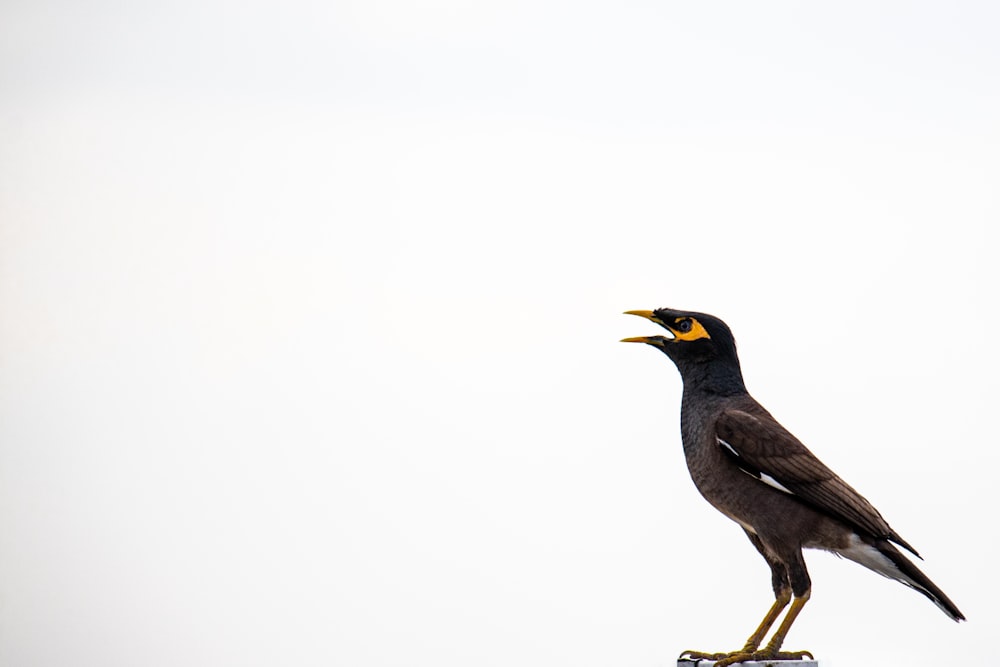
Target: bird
{"points": [[754, 471]]}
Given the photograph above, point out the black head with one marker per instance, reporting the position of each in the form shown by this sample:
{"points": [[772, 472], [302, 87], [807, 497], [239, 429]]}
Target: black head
{"points": [[701, 345]]}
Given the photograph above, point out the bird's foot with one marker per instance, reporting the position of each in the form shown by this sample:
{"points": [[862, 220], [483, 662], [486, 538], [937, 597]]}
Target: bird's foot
{"points": [[699, 655], [764, 654]]}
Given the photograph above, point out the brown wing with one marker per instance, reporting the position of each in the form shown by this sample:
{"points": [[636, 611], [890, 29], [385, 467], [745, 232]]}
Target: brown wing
{"points": [[761, 446]]}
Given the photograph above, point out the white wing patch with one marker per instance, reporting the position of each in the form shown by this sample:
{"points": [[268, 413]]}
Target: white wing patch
{"points": [[728, 446], [762, 476], [770, 481]]}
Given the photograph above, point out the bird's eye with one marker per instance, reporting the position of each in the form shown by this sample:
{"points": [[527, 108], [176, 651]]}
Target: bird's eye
{"points": [[684, 326]]}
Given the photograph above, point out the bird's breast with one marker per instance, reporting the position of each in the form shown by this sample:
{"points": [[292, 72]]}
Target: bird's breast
{"points": [[735, 493]]}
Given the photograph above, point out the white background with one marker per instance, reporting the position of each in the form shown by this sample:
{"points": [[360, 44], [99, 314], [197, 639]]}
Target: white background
{"points": [[309, 319]]}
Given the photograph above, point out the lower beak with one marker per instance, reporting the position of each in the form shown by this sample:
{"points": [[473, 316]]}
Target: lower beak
{"points": [[643, 339]]}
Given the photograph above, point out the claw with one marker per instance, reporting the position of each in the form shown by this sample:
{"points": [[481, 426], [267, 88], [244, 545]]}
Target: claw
{"points": [[699, 655]]}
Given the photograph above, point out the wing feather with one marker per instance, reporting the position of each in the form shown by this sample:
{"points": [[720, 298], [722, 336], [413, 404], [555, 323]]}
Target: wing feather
{"points": [[763, 447]]}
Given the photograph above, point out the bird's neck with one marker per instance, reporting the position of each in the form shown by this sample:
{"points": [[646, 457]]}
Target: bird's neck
{"points": [[713, 379]]}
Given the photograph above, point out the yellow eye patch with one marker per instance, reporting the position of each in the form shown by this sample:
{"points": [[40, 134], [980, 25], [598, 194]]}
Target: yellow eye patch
{"points": [[688, 328]]}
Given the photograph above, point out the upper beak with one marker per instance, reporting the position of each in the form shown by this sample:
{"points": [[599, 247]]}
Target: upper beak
{"points": [[651, 316], [648, 314]]}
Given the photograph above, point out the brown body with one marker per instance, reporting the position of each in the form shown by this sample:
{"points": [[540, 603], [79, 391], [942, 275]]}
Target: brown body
{"points": [[777, 517]]}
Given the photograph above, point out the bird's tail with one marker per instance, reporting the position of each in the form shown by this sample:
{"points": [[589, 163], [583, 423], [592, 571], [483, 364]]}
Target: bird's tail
{"points": [[882, 557]]}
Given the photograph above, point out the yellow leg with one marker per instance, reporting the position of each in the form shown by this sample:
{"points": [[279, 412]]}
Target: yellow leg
{"points": [[772, 615], [771, 651]]}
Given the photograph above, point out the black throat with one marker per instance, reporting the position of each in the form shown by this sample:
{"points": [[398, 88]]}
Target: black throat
{"points": [[716, 377]]}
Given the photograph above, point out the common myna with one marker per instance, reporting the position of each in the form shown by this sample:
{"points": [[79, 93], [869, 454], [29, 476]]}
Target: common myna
{"points": [[759, 475]]}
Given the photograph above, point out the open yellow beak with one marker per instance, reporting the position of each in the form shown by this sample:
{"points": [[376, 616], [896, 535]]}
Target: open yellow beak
{"points": [[655, 340]]}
